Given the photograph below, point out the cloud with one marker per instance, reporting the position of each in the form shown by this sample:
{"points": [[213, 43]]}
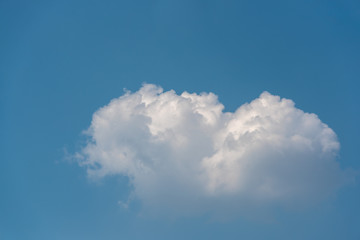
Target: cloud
{"points": [[182, 153]]}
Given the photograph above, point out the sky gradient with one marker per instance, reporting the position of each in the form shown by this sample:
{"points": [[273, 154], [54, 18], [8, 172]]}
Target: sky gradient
{"points": [[60, 61]]}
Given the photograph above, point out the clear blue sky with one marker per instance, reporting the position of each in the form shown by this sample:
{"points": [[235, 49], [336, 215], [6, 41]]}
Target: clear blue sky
{"points": [[62, 60]]}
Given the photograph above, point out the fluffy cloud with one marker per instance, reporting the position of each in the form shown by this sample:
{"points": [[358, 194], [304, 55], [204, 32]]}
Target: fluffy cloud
{"points": [[182, 152]]}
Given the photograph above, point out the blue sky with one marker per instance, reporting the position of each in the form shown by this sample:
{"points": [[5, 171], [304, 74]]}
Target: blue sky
{"points": [[60, 61]]}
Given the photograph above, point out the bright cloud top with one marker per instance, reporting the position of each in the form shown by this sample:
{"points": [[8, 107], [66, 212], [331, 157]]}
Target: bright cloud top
{"points": [[183, 152]]}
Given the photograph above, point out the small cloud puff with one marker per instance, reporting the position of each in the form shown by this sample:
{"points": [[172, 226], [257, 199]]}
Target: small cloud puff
{"points": [[183, 154]]}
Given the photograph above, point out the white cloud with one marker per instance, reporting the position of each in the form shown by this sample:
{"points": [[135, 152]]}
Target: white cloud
{"points": [[182, 152]]}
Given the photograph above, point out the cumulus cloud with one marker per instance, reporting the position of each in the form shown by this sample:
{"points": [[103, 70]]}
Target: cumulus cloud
{"points": [[182, 152]]}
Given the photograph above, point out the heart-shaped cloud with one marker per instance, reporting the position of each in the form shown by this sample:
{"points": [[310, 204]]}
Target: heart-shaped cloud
{"points": [[182, 152]]}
